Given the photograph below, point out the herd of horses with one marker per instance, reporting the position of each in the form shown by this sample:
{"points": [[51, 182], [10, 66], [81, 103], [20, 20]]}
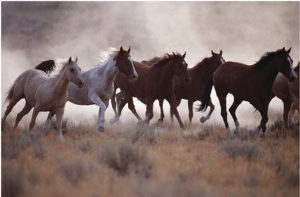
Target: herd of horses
{"points": [[165, 77]]}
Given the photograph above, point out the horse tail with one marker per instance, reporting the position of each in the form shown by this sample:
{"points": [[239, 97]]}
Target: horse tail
{"points": [[47, 66], [9, 94], [206, 95]]}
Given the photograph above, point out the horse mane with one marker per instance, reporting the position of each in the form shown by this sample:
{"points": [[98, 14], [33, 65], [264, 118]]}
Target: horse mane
{"points": [[151, 61], [107, 54], [267, 57], [47, 66], [165, 58]]}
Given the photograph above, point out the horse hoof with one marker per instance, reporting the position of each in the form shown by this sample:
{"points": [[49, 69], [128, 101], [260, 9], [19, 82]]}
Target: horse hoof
{"points": [[236, 132], [202, 119], [113, 120], [160, 120], [61, 138], [101, 129]]}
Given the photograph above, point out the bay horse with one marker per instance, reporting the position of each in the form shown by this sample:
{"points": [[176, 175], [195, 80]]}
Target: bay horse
{"points": [[288, 92], [249, 83], [154, 82], [192, 91], [43, 93], [99, 80]]}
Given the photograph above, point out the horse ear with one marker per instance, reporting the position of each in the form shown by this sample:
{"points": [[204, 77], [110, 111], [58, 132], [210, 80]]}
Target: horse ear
{"points": [[70, 60], [76, 59], [221, 52], [184, 55], [212, 53], [121, 49], [128, 50], [288, 51]]}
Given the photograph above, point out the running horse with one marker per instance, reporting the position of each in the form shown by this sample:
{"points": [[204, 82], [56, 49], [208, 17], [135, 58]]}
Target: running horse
{"points": [[43, 93], [249, 83], [99, 80], [288, 92], [154, 82], [192, 91]]}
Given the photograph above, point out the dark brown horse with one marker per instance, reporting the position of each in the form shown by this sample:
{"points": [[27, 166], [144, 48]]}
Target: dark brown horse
{"points": [[288, 92], [249, 83], [155, 82], [200, 74], [192, 91]]}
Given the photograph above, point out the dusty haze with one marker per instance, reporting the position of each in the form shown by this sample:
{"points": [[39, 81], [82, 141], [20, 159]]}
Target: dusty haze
{"points": [[36, 31]]}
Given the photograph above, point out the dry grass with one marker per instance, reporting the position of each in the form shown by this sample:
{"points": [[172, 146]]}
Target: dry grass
{"points": [[163, 162]]}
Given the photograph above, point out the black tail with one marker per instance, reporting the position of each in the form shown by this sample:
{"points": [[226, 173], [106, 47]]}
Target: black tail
{"points": [[206, 95], [47, 66]]}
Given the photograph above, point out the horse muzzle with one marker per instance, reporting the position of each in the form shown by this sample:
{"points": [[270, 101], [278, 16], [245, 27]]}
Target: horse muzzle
{"points": [[80, 84]]}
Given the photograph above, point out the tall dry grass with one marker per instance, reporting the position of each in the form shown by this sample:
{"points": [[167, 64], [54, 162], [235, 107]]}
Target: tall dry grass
{"points": [[162, 162]]}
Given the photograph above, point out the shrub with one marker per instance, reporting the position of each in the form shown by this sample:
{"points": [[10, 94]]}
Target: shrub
{"points": [[235, 148], [11, 147], [125, 158], [13, 181], [74, 171]]}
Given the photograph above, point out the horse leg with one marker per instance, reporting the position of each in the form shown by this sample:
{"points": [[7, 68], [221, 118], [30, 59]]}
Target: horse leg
{"points": [[132, 108], [11, 104], [36, 111], [222, 100], [113, 100], [59, 116], [232, 110], [191, 112], [20, 115], [149, 110], [102, 107], [286, 109], [203, 119], [50, 115], [178, 101], [162, 114], [172, 102], [263, 109]]}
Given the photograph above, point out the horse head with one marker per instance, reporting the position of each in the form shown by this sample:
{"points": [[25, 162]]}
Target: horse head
{"points": [[73, 72], [180, 67], [217, 59], [285, 65], [125, 64]]}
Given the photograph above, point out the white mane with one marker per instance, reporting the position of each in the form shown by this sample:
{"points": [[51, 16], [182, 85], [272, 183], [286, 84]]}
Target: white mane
{"points": [[106, 54]]}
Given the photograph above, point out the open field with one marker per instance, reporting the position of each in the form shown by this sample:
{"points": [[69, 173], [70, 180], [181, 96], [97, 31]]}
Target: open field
{"points": [[163, 162]]}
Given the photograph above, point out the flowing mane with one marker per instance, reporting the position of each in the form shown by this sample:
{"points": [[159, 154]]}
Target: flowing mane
{"points": [[53, 67], [107, 54], [165, 58], [267, 57]]}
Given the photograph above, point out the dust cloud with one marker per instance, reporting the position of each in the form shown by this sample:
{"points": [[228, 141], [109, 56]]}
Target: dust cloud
{"points": [[37, 31]]}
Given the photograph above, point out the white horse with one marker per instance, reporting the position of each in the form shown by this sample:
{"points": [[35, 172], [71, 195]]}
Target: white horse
{"points": [[99, 82], [43, 93]]}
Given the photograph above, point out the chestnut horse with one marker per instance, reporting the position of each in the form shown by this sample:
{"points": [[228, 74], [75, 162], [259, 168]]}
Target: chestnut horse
{"points": [[288, 92], [42, 92], [154, 82], [249, 83]]}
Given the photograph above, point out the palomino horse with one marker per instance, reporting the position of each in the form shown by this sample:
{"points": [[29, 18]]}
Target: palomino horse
{"points": [[99, 84], [154, 82], [250, 83], [42, 92], [192, 91], [288, 92]]}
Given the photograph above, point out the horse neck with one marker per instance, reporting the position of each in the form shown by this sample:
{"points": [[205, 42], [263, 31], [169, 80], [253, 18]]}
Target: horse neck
{"points": [[269, 72], [108, 69], [62, 83], [167, 71], [203, 67]]}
